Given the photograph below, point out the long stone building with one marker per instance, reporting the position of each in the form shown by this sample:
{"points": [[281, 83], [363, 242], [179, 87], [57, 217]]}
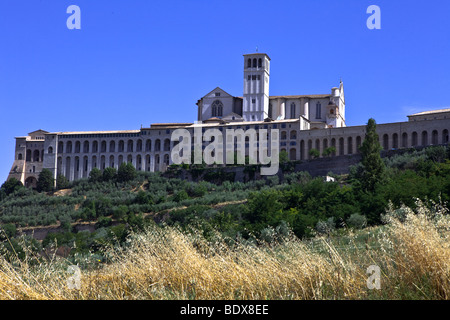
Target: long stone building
{"points": [[305, 122]]}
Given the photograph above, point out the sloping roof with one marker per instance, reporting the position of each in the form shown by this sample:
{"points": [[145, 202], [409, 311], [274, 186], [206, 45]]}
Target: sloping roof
{"points": [[430, 112]]}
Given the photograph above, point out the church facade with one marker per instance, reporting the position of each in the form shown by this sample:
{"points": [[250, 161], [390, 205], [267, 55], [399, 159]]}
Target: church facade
{"points": [[304, 122]]}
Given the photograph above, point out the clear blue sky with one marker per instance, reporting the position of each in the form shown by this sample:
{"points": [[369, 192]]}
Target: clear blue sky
{"points": [[140, 62]]}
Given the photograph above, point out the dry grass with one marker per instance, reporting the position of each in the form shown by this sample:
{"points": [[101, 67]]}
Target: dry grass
{"points": [[164, 263]]}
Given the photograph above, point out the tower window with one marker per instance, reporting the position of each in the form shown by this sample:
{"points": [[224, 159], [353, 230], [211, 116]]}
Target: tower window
{"points": [[253, 100], [259, 63], [217, 94], [254, 63], [249, 63], [253, 77]]}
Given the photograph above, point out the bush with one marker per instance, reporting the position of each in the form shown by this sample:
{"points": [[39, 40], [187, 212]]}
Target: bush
{"points": [[357, 221]]}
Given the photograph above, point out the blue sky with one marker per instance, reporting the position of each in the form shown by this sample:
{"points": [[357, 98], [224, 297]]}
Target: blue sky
{"points": [[139, 62]]}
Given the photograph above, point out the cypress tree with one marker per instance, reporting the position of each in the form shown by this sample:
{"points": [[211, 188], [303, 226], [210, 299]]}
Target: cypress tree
{"points": [[373, 165]]}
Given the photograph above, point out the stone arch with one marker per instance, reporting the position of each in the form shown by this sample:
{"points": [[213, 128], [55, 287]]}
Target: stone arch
{"points": [[293, 135], [69, 147], [157, 145], [31, 182], [60, 147], [36, 156], [50, 150], [103, 146], [445, 137], [111, 161], [148, 145], [167, 145], [139, 162], [292, 154], [350, 145], [139, 145], [424, 138], [121, 146], [19, 156], [102, 163], [86, 147], [77, 147], [130, 146], [341, 146], [385, 141], [434, 137], [414, 139], [358, 143], [404, 140], [95, 146], [395, 141], [112, 146]]}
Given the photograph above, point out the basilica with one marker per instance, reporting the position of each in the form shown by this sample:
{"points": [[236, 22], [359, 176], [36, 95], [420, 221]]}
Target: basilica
{"points": [[304, 122]]}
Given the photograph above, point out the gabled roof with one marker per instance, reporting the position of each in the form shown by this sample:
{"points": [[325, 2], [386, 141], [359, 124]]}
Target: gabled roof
{"points": [[215, 90]]}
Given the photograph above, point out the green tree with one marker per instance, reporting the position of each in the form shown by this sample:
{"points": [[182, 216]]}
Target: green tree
{"points": [[61, 182], [11, 185], [373, 165], [314, 153], [329, 151], [95, 175], [126, 172], [45, 181], [109, 174], [283, 156]]}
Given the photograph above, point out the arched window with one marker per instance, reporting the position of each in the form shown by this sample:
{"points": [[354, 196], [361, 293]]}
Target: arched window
{"points": [[69, 147], [112, 146], [130, 146], [19, 156], [121, 146], [86, 147], [167, 145], [415, 139], [148, 145], [61, 147], [217, 109], [259, 63], [158, 145], [404, 140], [50, 150], [254, 63], [249, 63], [445, 136], [292, 110], [434, 137], [103, 146], [385, 142], [395, 141], [36, 156], [424, 138]]}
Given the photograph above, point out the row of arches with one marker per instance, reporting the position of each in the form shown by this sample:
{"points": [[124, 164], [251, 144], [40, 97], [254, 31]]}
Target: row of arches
{"points": [[80, 167], [416, 139], [254, 63], [32, 156], [121, 146]]}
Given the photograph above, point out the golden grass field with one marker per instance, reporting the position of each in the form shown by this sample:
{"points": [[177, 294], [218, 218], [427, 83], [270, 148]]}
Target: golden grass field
{"points": [[164, 263]]}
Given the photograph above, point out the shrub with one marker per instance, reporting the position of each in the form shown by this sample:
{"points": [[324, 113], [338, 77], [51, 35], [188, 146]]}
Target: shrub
{"points": [[126, 172], [357, 221], [45, 181]]}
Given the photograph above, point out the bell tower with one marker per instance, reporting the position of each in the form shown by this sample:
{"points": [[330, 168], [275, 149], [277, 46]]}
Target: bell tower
{"points": [[256, 86]]}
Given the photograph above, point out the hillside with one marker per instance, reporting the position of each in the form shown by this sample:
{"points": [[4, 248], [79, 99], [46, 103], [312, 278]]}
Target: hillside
{"points": [[102, 221]]}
